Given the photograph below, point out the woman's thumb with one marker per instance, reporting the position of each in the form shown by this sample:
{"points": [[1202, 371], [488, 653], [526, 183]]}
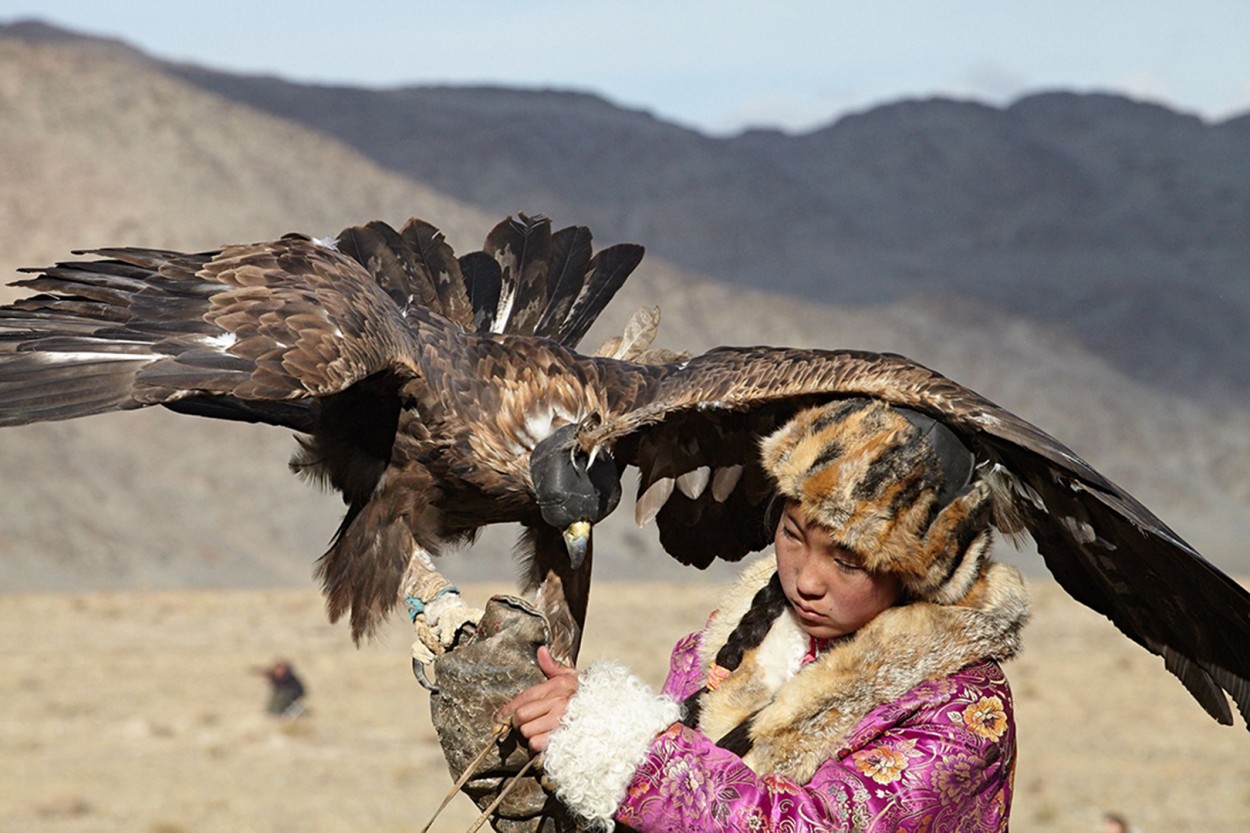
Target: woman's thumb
{"points": [[548, 665]]}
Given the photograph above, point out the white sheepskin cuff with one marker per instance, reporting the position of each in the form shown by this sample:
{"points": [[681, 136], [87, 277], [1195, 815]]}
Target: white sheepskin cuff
{"points": [[603, 738]]}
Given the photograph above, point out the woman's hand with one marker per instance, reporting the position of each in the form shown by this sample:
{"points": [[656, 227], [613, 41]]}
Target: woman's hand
{"points": [[536, 711]]}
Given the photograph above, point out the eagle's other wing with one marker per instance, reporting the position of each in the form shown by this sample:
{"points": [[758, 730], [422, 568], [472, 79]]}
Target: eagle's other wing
{"points": [[256, 331], [249, 332], [695, 441]]}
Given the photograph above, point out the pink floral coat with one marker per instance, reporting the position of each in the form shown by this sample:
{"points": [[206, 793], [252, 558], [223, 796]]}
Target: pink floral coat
{"points": [[940, 758]]}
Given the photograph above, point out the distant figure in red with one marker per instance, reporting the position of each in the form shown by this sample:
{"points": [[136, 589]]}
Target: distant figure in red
{"points": [[286, 699]]}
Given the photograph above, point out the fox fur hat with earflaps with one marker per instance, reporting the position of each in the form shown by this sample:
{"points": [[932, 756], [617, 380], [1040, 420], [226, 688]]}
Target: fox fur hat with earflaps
{"points": [[894, 486]]}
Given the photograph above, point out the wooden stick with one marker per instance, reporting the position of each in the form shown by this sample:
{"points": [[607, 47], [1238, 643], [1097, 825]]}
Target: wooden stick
{"points": [[516, 779], [501, 731]]}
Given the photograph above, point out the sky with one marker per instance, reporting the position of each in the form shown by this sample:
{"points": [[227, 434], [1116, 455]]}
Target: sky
{"points": [[718, 66]]}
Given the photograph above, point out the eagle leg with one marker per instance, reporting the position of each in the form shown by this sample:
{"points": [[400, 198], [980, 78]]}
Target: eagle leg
{"points": [[560, 591], [439, 614]]}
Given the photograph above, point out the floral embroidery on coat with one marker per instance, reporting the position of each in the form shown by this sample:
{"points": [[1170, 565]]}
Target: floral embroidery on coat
{"points": [[986, 718], [940, 758], [883, 764]]}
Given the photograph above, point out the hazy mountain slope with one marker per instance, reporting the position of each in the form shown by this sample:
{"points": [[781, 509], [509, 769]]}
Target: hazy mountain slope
{"points": [[1126, 223], [97, 146], [101, 149]]}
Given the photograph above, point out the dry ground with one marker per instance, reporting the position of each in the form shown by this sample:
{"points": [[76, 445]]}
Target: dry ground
{"points": [[135, 712]]}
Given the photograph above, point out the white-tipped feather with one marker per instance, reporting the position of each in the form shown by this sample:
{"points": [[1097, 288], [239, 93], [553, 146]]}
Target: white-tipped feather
{"points": [[692, 483], [85, 356], [221, 342], [724, 481], [653, 500]]}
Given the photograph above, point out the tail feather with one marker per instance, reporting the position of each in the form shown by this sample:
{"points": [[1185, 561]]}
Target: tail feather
{"points": [[523, 250], [608, 271], [387, 256], [570, 261], [550, 285], [439, 261], [483, 280], [526, 280]]}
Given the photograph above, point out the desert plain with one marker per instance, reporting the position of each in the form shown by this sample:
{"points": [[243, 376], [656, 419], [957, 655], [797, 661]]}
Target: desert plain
{"points": [[135, 711]]}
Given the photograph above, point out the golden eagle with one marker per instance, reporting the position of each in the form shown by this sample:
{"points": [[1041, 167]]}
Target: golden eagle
{"points": [[441, 393]]}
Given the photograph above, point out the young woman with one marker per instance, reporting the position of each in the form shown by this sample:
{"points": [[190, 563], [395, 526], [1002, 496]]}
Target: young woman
{"points": [[848, 682]]}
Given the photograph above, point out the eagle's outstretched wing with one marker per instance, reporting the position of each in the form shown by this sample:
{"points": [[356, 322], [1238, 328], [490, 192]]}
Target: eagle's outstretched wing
{"points": [[695, 441], [366, 344], [250, 332], [257, 331]]}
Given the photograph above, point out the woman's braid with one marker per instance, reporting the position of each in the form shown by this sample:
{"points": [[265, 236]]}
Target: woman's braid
{"points": [[754, 626], [766, 606]]}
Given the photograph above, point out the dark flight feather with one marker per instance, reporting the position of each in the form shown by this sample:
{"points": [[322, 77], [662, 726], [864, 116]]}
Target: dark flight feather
{"points": [[522, 248], [484, 280], [608, 270], [570, 262]]}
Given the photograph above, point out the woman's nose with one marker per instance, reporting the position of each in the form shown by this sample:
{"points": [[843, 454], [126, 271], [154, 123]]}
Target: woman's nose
{"points": [[808, 581]]}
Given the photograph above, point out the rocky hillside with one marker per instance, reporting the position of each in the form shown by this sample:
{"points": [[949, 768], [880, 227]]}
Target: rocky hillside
{"points": [[1124, 225], [100, 145]]}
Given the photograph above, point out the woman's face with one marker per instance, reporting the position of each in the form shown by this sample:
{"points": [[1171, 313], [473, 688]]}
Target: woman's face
{"points": [[828, 588]]}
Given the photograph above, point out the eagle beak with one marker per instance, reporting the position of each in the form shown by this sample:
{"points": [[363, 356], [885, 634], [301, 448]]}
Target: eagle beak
{"points": [[577, 540]]}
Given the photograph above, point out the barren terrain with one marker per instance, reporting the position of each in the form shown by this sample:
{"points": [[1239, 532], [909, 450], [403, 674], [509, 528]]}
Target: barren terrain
{"points": [[136, 712]]}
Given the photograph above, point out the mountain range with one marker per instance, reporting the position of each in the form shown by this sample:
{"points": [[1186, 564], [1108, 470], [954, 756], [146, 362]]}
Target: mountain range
{"points": [[1081, 259], [1124, 224]]}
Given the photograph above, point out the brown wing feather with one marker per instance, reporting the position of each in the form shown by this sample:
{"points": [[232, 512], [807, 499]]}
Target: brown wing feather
{"points": [[267, 322], [745, 378], [310, 318], [1104, 547]]}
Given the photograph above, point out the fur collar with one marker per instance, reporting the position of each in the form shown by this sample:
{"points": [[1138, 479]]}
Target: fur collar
{"points": [[795, 719]]}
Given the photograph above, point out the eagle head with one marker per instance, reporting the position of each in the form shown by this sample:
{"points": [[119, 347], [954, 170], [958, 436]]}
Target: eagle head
{"points": [[575, 489]]}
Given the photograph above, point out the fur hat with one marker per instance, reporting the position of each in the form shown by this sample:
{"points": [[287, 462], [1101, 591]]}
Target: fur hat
{"points": [[894, 486]]}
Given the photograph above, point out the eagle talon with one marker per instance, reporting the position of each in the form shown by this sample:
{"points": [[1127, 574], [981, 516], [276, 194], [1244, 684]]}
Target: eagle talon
{"points": [[421, 670]]}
